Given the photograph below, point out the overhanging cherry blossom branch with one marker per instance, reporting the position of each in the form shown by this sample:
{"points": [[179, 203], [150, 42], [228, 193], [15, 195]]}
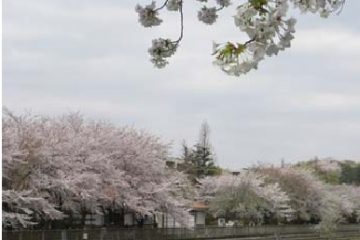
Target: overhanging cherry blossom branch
{"points": [[161, 7], [265, 22]]}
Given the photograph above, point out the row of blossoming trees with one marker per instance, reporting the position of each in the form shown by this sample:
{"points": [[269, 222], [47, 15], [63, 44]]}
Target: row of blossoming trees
{"points": [[55, 168], [58, 167], [282, 195]]}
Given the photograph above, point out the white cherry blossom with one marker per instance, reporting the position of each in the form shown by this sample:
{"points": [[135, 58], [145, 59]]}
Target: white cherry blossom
{"points": [[66, 165], [207, 15], [224, 3], [160, 50], [148, 16], [264, 22], [174, 5]]}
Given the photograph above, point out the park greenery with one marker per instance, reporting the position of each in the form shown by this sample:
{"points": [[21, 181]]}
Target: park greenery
{"points": [[199, 161], [266, 24], [57, 168]]}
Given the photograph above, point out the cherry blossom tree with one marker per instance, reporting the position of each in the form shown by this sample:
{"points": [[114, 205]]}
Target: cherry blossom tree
{"points": [[246, 197], [20, 209], [349, 201], [66, 165], [312, 199], [282, 194], [265, 22]]}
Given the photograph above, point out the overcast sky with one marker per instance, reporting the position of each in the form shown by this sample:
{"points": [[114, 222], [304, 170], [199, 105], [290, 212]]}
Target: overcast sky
{"points": [[91, 56]]}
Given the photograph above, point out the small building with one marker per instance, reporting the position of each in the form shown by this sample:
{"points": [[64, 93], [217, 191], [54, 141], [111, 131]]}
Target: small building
{"points": [[165, 220], [199, 210], [129, 220], [132, 219], [94, 219]]}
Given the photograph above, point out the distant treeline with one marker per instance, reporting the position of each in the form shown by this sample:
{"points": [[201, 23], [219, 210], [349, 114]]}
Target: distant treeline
{"points": [[334, 171]]}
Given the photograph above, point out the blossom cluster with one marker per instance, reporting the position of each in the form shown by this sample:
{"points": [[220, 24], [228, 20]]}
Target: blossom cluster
{"points": [[160, 50], [148, 16], [174, 5], [224, 3], [323, 7], [207, 15], [268, 30]]}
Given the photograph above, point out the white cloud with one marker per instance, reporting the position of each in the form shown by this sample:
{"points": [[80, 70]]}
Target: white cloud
{"points": [[327, 101], [333, 42]]}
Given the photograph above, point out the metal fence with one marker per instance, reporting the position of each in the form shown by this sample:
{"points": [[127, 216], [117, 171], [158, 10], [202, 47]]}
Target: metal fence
{"points": [[268, 232]]}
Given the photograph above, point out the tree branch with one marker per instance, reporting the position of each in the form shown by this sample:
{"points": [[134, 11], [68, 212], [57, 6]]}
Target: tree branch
{"points": [[162, 6]]}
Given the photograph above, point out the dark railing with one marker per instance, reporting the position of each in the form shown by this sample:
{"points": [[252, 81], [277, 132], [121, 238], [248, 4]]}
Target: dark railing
{"points": [[264, 232]]}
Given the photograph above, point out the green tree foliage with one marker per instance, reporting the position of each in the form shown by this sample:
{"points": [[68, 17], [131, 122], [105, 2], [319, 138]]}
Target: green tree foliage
{"points": [[328, 170], [199, 161], [350, 173], [333, 171]]}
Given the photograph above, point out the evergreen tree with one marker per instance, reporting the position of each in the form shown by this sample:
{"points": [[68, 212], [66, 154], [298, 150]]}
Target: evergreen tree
{"points": [[199, 161]]}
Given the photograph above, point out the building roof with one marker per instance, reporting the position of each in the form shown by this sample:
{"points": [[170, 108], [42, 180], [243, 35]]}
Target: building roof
{"points": [[198, 205]]}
